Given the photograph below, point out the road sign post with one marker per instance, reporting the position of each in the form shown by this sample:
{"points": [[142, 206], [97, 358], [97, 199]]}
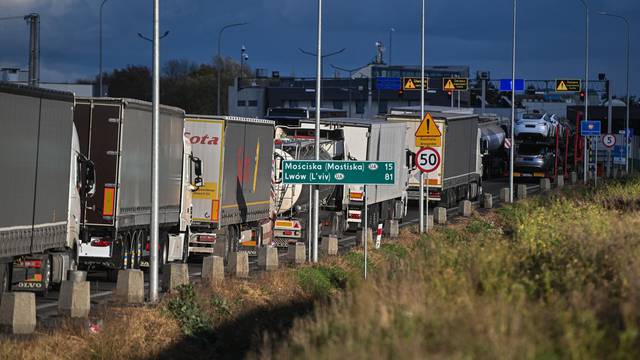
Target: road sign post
{"points": [[590, 128], [428, 136]]}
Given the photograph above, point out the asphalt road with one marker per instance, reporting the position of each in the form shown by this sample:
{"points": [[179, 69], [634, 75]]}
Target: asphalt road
{"points": [[101, 289]]}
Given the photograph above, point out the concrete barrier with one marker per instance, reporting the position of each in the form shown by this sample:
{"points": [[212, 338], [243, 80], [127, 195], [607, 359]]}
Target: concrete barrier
{"points": [[268, 258], [440, 215], [329, 245], [75, 299], [391, 228], [212, 269], [296, 253], [465, 208], [238, 264], [504, 195], [174, 275], [487, 201], [429, 222], [545, 184], [359, 237], [130, 286], [573, 177], [76, 275], [559, 182], [18, 313], [522, 191]]}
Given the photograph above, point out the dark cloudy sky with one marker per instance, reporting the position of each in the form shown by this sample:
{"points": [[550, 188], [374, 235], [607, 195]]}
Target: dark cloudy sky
{"points": [[465, 32]]}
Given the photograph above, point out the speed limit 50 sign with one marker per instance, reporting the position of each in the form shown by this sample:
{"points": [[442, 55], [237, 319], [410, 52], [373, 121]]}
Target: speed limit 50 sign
{"points": [[428, 159]]}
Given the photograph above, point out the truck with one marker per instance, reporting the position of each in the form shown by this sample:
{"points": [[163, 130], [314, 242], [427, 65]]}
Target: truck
{"points": [[343, 206], [545, 146], [231, 210], [459, 173], [115, 134], [45, 180]]}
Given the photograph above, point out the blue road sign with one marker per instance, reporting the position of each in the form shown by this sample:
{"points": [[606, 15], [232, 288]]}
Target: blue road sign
{"points": [[590, 128], [388, 83], [505, 84], [618, 151]]}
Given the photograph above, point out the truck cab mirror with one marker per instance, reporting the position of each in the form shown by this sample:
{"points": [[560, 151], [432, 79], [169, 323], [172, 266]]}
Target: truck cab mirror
{"points": [[410, 159], [89, 178], [277, 168], [196, 181]]}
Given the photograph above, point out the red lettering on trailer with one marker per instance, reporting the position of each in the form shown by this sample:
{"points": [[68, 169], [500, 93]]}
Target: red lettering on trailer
{"points": [[203, 140]]}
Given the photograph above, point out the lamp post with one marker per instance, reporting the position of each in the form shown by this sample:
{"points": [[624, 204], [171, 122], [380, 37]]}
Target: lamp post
{"points": [[316, 189], [586, 84], [222, 62], [100, 42], [155, 156], [513, 101], [243, 57], [626, 135], [421, 205], [350, 71], [391, 31]]}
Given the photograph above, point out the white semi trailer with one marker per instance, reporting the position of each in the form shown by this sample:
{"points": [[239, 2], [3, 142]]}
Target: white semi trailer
{"points": [[343, 206], [45, 179]]}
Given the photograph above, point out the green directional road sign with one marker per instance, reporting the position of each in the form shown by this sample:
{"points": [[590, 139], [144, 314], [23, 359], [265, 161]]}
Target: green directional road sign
{"points": [[328, 172]]}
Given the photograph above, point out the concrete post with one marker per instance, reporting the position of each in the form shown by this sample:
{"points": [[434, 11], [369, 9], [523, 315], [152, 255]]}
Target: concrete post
{"points": [[130, 286], [574, 177], [504, 195], [429, 221], [268, 258], [465, 208], [559, 181], [359, 237], [174, 275], [488, 201], [522, 191], [329, 245], [296, 253], [212, 269], [74, 299], [18, 313], [545, 184], [238, 264], [392, 228], [440, 215]]}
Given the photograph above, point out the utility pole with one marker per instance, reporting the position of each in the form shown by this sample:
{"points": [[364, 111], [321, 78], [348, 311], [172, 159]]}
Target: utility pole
{"points": [[100, 93], [513, 102], [218, 94], [424, 210], [586, 83], [33, 20], [155, 152], [316, 188]]}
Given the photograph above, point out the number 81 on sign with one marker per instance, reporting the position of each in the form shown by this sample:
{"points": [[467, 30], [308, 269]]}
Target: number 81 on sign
{"points": [[428, 159]]}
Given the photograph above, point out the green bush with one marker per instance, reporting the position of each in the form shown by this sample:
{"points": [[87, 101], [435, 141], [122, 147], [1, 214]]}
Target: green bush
{"points": [[187, 310], [320, 280]]}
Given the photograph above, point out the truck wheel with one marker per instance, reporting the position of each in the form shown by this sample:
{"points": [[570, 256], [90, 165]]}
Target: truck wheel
{"points": [[5, 278], [136, 249], [231, 238]]}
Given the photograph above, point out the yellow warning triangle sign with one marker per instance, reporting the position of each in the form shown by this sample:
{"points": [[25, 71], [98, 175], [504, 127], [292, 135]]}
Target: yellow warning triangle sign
{"points": [[428, 127], [449, 85], [562, 86], [409, 84]]}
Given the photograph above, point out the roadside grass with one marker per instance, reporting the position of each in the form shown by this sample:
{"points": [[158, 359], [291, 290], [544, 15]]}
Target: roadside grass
{"points": [[552, 277], [555, 276]]}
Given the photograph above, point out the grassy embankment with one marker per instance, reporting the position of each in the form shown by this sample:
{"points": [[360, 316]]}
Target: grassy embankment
{"points": [[552, 277]]}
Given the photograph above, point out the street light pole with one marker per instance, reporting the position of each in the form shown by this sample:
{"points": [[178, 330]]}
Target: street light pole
{"points": [[421, 205], [222, 62], [100, 42], [626, 135], [155, 151], [391, 31], [586, 84], [513, 102], [316, 189]]}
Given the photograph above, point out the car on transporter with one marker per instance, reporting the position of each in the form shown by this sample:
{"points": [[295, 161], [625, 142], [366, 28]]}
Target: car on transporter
{"points": [[536, 126], [533, 159]]}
